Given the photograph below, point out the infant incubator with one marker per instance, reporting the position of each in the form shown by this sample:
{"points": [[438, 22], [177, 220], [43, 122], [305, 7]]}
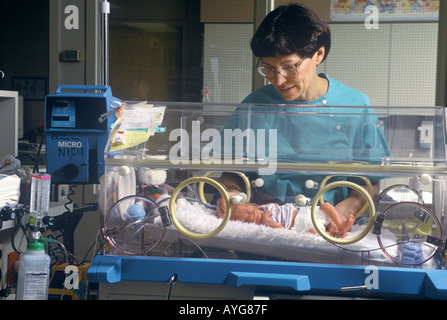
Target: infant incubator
{"points": [[169, 216]]}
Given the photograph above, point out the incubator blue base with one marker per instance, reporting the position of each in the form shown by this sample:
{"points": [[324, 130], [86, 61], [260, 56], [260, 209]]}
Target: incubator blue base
{"points": [[275, 277]]}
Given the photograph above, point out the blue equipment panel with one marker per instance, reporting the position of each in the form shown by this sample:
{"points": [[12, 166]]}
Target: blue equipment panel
{"points": [[75, 138], [301, 278]]}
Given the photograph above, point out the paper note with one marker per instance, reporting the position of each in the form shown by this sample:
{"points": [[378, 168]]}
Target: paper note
{"points": [[137, 125]]}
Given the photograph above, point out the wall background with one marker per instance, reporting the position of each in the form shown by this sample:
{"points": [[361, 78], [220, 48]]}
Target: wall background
{"points": [[394, 65]]}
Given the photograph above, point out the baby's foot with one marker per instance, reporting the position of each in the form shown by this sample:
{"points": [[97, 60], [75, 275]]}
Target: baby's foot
{"points": [[345, 226]]}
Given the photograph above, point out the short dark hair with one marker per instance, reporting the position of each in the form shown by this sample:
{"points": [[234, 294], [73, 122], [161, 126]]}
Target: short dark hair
{"points": [[291, 29]]}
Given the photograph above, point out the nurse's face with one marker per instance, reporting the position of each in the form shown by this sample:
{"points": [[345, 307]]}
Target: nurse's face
{"points": [[301, 85]]}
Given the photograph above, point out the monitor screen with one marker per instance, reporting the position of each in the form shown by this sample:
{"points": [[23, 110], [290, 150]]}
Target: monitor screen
{"points": [[9, 123]]}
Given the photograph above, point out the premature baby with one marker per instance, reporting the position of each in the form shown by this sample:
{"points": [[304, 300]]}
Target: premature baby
{"points": [[289, 216]]}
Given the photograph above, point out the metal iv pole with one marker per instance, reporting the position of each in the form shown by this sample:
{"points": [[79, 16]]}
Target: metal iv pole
{"points": [[105, 11]]}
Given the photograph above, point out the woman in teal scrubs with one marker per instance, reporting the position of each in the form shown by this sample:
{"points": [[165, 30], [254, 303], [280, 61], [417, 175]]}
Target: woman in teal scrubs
{"points": [[290, 43]]}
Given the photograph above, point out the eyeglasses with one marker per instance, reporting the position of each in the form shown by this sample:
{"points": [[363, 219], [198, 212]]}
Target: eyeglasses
{"points": [[285, 71]]}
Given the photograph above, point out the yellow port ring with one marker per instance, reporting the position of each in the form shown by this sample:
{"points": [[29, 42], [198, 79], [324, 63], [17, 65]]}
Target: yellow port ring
{"points": [[193, 235], [243, 177], [368, 185], [369, 201]]}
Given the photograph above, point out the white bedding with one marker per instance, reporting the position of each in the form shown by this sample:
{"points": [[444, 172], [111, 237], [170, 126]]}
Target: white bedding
{"points": [[280, 242]]}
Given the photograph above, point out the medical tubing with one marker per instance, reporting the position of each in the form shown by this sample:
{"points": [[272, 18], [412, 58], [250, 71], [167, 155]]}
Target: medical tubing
{"points": [[71, 192], [18, 224], [190, 234], [345, 241], [49, 240], [39, 149]]}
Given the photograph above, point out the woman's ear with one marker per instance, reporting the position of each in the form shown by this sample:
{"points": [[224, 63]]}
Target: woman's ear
{"points": [[319, 56]]}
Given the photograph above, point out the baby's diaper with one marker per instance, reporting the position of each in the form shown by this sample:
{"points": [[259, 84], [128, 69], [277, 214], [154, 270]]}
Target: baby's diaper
{"points": [[303, 221]]}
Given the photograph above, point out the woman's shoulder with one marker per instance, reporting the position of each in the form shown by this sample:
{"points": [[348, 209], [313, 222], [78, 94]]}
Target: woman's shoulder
{"points": [[345, 94]]}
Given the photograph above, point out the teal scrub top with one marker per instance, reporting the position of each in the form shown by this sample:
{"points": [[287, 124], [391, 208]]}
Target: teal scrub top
{"points": [[317, 133]]}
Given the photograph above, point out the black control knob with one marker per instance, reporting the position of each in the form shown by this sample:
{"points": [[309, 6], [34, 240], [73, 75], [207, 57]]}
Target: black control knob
{"points": [[70, 171]]}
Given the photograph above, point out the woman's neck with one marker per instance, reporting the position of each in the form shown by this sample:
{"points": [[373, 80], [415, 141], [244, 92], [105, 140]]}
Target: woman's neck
{"points": [[317, 89]]}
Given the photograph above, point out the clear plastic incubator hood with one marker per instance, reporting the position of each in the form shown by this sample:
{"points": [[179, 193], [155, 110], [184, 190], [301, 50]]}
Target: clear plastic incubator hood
{"points": [[255, 196]]}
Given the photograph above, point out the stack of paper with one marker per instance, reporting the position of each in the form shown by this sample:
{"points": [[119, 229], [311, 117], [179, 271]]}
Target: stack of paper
{"points": [[9, 189]]}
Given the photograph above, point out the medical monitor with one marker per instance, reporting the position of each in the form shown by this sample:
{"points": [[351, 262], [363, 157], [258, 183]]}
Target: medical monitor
{"points": [[9, 123]]}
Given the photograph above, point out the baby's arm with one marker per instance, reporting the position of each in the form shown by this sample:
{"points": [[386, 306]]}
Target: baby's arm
{"points": [[279, 216], [266, 217]]}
